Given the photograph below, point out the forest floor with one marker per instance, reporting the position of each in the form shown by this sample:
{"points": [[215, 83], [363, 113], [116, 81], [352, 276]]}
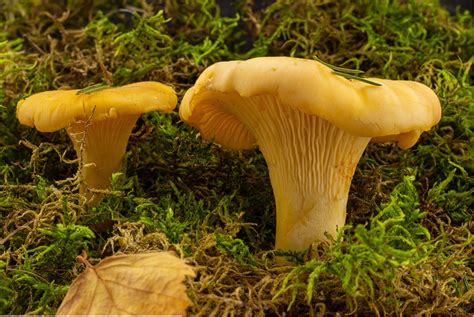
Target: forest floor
{"points": [[408, 247]]}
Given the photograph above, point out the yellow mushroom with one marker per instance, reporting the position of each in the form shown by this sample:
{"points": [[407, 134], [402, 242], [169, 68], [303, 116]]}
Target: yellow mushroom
{"points": [[312, 128], [99, 123]]}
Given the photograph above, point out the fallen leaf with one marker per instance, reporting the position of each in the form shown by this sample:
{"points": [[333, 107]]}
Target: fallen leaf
{"points": [[145, 284]]}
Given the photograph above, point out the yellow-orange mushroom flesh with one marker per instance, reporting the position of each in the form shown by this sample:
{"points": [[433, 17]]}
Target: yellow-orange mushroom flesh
{"points": [[312, 127], [101, 147], [99, 124], [311, 163]]}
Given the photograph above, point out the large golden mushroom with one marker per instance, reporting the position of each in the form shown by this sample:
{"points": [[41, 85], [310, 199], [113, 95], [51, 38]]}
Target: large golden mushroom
{"points": [[99, 124], [312, 127]]}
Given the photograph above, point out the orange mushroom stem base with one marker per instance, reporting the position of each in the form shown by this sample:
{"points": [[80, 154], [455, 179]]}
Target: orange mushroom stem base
{"points": [[100, 147], [311, 164]]}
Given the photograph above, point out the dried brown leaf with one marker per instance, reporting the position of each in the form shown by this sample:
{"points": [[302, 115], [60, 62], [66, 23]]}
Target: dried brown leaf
{"points": [[146, 284]]}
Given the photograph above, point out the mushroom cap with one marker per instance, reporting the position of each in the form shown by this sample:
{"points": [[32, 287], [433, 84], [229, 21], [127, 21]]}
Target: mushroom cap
{"points": [[54, 110], [396, 110]]}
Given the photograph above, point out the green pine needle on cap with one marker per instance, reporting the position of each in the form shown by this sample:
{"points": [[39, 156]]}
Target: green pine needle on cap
{"points": [[93, 88], [347, 73]]}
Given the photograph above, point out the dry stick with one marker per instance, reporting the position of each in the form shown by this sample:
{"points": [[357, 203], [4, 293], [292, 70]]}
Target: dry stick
{"points": [[14, 232]]}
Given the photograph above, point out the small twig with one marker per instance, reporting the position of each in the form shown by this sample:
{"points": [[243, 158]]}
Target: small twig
{"points": [[83, 259]]}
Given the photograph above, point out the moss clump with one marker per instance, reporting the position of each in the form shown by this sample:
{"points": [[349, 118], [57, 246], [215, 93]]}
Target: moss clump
{"points": [[370, 261], [408, 252]]}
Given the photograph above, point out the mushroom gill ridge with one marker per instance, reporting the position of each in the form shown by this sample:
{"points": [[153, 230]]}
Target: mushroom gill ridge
{"points": [[100, 147], [312, 127], [311, 164], [224, 127]]}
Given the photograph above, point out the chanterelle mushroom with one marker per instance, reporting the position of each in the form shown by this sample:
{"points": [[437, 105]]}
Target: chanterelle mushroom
{"points": [[99, 123], [311, 126]]}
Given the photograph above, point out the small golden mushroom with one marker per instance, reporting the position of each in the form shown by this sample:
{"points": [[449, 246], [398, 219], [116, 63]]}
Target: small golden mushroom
{"points": [[312, 128], [99, 123]]}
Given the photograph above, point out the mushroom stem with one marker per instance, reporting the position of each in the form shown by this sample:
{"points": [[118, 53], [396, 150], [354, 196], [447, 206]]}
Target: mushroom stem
{"points": [[311, 164], [98, 160]]}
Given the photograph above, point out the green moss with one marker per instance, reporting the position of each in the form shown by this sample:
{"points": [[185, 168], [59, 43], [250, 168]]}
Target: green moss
{"points": [[408, 252], [394, 238]]}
